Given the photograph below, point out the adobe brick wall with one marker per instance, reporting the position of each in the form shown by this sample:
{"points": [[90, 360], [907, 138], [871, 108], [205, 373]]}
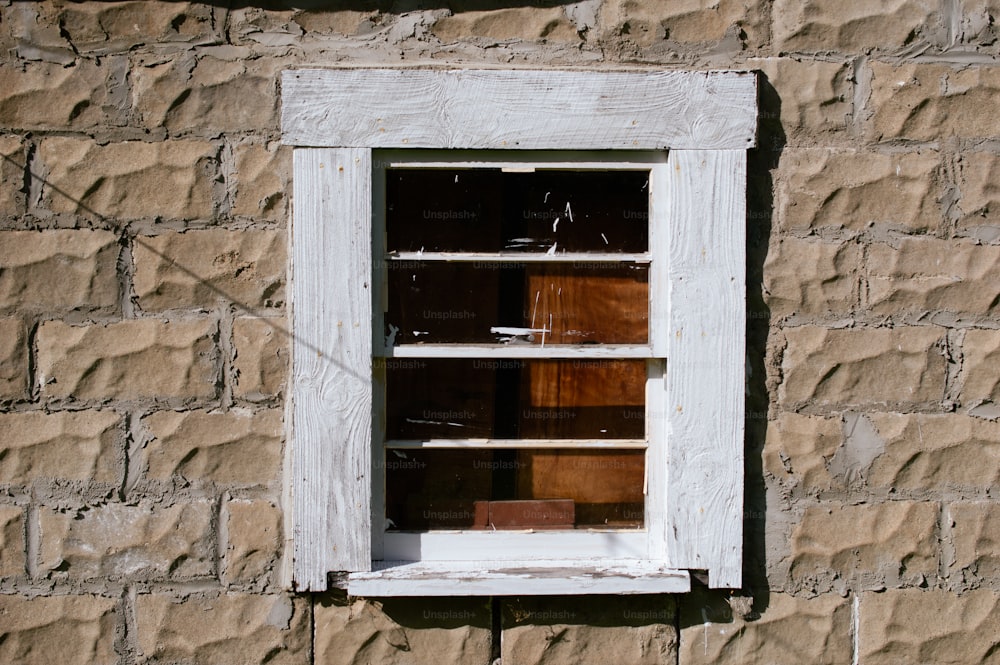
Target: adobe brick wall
{"points": [[144, 352]]}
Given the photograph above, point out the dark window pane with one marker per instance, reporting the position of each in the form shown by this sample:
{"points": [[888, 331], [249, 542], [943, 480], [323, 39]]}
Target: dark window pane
{"points": [[511, 399], [558, 488]]}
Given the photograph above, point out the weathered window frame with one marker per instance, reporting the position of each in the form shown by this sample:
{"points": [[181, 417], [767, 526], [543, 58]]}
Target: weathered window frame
{"points": [[335, 118]]}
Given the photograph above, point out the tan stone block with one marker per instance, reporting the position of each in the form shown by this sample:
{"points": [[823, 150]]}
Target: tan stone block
{"points": [[129, 180], [798, 447], [13, 358], [929, 626], [253, 548], [789, 631], [44, 95], [209, 95], [120, 26], [981, 358], [979, 201], [117, 540], [811, 276], [58, 269], [233, 629], [975, 532], [853, 189], [71, 445], [509, 23], [263, 180], [345, 22], [685, 21], [977, 25], [926, 451], [927, 274], [888, 543], [69, 630], [813, 25], [553, 630], [12, 169], [863, 366], [209, 268], [236, 447], [816, 97], [12, 544], [401, 631], [261, 361], [929, 102], [128, 360]]}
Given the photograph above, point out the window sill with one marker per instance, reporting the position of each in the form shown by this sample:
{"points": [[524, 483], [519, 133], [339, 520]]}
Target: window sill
{"points": [[527, 577]]}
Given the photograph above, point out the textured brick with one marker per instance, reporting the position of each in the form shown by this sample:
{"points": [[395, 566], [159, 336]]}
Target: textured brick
{"points": [[815, 98], [208, 268], [79, 445], [684, 21], [548, 23], [13, 359], [12, 545], [46, 270], [120, 26], [129, 180], [789, 631], [12, 167], [561, 630], [979, 204], [888, 543], [209, 95], [813, 25], [933, 275], [797, 448], [929, 626], [254, 543], [401, 631], [933, 452], [261, 361], [811, 277], [263, 179], [932, 102], [981, 357], [975, 532], [128, 360], [69, 630], [233, 447], [853, 190], [117, 540], [231, 629], [44, 95], [863, 366]]}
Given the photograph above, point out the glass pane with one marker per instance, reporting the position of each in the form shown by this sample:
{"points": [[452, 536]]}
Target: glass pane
{"points": [[515, 399], [517, 303], [487, 210], [514, 489]]}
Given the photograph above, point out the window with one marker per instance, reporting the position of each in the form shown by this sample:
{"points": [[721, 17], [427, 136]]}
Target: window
{"points": [[631, 487]]}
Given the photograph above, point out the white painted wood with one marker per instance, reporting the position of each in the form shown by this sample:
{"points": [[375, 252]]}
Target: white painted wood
{"points": [[332, 390], [527, 351], [659, 274], [526, 577], [379, 306], [582, 259], [625, 444], [522, 160], [705, 367], [519, 109], [504, 545], [656, 461]]}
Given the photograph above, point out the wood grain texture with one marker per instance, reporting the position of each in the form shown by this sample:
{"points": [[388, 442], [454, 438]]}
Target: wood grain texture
{"points": [[519, 109], [525, 577], [332, 394], [705, 362]]}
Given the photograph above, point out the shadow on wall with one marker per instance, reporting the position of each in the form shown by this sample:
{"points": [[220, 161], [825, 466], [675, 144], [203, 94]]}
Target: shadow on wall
{"points": [[718, 606]]}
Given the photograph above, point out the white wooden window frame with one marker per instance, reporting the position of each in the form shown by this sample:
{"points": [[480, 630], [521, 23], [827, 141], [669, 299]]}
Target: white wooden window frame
{"points": [[703, 123]]}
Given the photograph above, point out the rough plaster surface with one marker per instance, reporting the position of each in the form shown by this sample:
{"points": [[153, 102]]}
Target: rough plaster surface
{"points": [[144, 351]]}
